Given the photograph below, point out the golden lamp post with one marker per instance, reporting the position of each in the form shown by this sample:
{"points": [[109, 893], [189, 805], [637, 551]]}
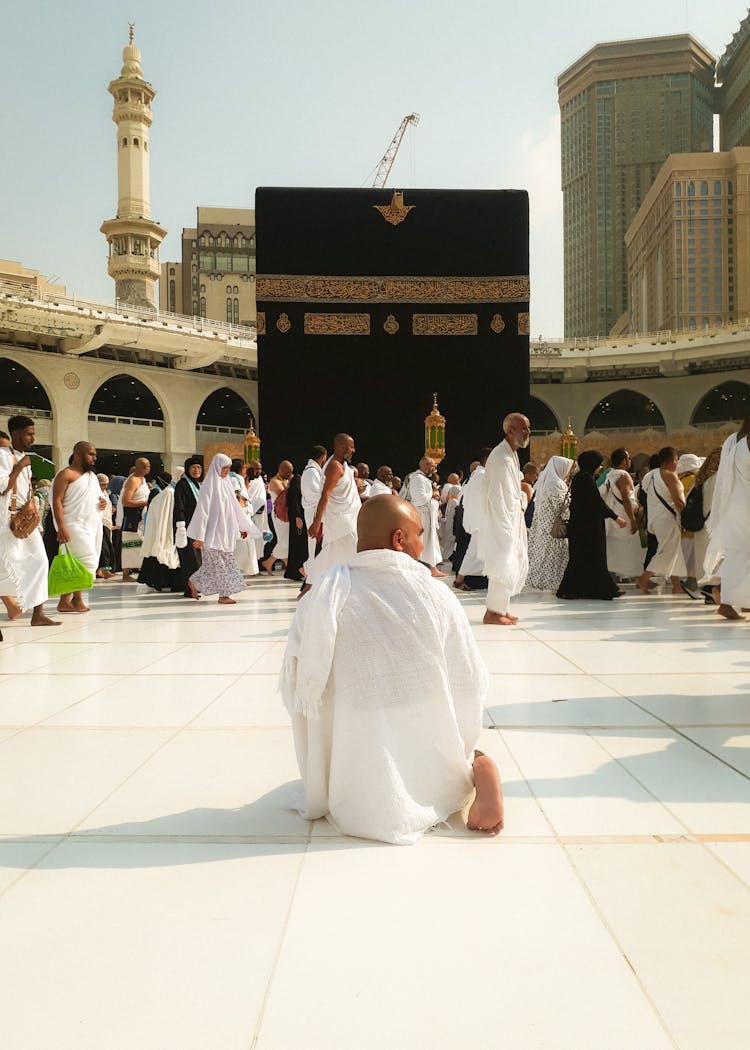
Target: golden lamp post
{"points": [[569, 443], [252, 446], [434, 434]]}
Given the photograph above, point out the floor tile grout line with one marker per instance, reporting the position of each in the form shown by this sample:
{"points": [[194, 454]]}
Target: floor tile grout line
{"points": [[27, 870], [280, 947], [598, 911], [696, 743]]}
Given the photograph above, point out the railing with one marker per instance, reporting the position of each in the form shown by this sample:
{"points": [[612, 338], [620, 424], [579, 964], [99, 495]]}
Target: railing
{"points": [[126, 420], [124, 312], [542, 346], [32, 413], [203, 428]]}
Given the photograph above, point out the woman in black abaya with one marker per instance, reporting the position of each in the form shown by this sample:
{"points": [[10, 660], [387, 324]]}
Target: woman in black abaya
{"points": [[186, 493], [586, 575]]}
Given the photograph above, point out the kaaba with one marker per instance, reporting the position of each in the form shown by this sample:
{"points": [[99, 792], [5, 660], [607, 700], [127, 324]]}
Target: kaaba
{"points": [[371, 300]]}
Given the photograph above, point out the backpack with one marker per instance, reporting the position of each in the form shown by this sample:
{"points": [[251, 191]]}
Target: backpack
{"points": [[280, 508], [692, 518]]}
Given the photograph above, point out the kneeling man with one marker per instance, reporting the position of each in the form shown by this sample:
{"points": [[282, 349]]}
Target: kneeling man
{"points": [[389, 756]]}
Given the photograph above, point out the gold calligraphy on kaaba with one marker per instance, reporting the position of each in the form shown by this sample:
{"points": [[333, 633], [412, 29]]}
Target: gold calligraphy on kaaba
{"points": [[337, 324], [396, 211], [283, 324], [311, 289], [523, 324], [497, 324], [260, 323], [391, 325], [444, 324]]}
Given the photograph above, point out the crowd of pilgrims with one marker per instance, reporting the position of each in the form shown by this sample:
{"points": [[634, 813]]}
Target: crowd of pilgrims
{"points": [[592, 525]]}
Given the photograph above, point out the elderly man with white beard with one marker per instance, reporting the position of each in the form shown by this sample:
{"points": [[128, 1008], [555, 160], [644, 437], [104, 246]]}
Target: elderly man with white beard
{"points": [[503, 541], [419, 493]]}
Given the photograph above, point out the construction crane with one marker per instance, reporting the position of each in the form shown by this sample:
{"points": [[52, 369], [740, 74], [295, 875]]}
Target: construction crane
{"points": [[385, 165]]}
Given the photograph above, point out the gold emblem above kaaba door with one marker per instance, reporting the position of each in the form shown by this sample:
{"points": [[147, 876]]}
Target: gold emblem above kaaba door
{"points": [[396, 211], [283, 324], [391, 325], [497, 324]]}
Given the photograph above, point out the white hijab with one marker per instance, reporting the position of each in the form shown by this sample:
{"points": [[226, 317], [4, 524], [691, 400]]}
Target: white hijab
{"points": [[551, 481], [218, 518]]}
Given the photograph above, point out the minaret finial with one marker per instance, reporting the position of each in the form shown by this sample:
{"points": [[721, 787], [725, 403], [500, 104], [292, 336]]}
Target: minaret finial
{"points": [[131, 26]]}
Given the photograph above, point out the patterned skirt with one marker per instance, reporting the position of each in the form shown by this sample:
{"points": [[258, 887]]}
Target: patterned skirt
{"points": [[218, 574]]}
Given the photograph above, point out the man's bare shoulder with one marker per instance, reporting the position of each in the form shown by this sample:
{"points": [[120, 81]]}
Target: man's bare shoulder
{"points": [[334, 469]]}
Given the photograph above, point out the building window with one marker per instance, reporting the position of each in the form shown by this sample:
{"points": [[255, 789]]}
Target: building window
{"points": [[717, 188], [172, 295], [145, 146], [203, 287], [171, 271], [691, 189], [203, 307], [235, 289], [704, 189], [136, 142], [229, 311], [195, 307], [125, 142], [236, 306], [229, 289], [677, 189], [195, 284]]}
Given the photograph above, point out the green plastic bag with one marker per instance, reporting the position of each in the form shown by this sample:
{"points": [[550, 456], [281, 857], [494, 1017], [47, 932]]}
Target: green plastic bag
{"points": [[67, 574]]}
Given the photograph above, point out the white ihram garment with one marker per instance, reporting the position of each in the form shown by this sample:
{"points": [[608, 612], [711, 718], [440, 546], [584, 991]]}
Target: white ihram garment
{"points": [[364, 757], [624, 550], [23, 563], [665, 525], [245, 551], [311, 486], [420, 495], [503, 541], [702, 537], [339, 524], [158, 532], [729, 525], [378, 488], [83, 519], [256, 497], [132, 556], [472, 564]]}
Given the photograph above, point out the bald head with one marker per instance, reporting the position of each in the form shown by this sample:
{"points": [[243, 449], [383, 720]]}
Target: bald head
{"points": [[385, 474], [286, 469], [386, 523], [84, 456], [427, 466], [452, 479], [142, 467]]}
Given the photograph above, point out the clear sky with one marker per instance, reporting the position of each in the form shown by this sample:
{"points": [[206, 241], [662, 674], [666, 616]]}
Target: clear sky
{"points": [[297, 92]]}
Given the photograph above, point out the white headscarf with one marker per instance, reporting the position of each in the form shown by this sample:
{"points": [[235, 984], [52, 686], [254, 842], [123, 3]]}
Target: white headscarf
{"points": [[551, 481], [218, 518], [689, 464]]}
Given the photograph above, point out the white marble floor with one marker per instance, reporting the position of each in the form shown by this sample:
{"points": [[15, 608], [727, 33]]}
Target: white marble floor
{"points": [[156, 893]]}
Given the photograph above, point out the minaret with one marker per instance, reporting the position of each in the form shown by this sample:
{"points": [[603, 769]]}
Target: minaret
{"points": [[133, 236]]}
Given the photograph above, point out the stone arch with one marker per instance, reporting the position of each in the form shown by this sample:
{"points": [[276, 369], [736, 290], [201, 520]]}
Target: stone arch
{"points": [[625, 409], [16, 376], [724, 403], [102, 377], [225, 407], [542, 416], [112, 397]]}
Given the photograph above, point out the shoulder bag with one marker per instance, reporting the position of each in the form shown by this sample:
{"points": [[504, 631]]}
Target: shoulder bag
{"points": [[23, 520]]}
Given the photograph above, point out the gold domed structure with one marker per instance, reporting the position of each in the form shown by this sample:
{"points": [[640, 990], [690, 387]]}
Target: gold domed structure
{"points": [[434, 434]]}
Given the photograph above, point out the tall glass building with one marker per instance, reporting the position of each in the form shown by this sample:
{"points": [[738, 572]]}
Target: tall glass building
{"points": [[624, 106]]}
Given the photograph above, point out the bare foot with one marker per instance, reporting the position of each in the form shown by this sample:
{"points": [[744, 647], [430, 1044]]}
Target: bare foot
{"points": [[226, 601], [13, 608], [65, 607], [730, 613], [265, 568], [437, 573], [193, 592], [44, 621], [487, 813], [307, 587], [79, 606], [502, 619]]}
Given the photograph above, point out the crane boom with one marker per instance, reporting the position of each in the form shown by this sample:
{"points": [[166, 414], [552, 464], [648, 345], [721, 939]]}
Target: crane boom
{"points": [[386, 163]]}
